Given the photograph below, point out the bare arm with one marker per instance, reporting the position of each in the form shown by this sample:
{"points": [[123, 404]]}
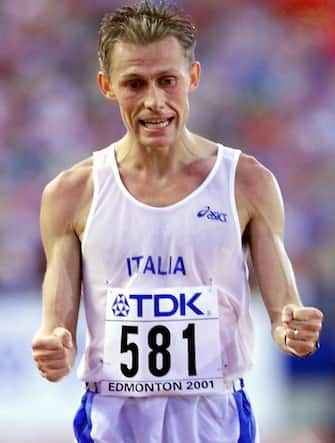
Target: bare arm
{"points": [[54, 345], [294, 328]]}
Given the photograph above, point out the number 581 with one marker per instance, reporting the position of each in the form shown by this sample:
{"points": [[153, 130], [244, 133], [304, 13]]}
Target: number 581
{"points": [[157, 349]]}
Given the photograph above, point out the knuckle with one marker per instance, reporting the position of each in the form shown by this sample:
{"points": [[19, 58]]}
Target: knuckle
{"points": [[50, 378], [53, 377], [308, 347], [315, 327], [36, 357], [314, 336]]}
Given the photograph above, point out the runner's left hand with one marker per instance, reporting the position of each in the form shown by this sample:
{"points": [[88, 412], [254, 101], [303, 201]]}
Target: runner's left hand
{"points": [[303, 326]]}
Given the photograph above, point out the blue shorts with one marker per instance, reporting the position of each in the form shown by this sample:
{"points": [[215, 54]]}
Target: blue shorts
{"points": [[226, 418]]}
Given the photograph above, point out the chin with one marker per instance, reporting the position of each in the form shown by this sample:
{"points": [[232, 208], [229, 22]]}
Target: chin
{"points": [[159, 143]]}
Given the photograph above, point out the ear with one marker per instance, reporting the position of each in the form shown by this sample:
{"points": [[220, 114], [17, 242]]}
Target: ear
{"points": [[195, 75], [105, 86]]}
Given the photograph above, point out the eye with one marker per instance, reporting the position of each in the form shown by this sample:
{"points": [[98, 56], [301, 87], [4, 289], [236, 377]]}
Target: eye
{"points": [[167, 82], [135, 84]]}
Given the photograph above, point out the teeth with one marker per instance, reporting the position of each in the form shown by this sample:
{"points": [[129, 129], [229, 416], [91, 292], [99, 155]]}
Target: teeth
{"points": [[154, 125]]}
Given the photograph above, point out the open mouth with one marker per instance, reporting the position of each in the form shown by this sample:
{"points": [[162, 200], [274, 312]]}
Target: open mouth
{"points": [[156, 124]]}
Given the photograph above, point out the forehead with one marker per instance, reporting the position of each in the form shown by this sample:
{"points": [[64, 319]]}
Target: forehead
{"points": [[163, 55]]}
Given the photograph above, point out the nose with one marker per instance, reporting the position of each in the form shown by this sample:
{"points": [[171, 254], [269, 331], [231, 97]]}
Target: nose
{"points": [[154, 98]]}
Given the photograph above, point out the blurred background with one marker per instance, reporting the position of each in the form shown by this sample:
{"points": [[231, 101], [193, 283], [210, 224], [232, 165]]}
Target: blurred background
{"points": [[268, 87]]}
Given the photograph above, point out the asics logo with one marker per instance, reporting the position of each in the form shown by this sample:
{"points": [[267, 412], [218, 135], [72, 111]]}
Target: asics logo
{"points": [[212, 215]]}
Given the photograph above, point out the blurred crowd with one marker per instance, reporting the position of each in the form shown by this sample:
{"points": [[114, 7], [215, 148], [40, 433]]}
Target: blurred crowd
{"points": [[267, 87], [268, 75]]}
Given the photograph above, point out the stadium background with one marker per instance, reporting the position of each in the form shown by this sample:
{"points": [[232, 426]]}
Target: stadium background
{"points": [[267, 87]]}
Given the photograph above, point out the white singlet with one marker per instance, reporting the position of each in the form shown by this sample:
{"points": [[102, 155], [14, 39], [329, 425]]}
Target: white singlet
{"points": [[131, 246], [166, 299]]}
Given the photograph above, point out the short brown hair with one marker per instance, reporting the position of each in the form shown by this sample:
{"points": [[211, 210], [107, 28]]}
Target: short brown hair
{"points": [[145, 22]]}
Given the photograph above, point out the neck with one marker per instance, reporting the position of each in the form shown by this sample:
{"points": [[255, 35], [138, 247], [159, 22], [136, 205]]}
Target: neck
{"points": [[157, 161]]}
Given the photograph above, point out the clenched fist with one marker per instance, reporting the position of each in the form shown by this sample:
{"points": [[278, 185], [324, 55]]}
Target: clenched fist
{"points": [[303, 326], [54, 354]]}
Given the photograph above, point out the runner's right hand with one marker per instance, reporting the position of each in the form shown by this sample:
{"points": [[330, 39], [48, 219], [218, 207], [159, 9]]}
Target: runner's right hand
{"points": [[53, 354]]}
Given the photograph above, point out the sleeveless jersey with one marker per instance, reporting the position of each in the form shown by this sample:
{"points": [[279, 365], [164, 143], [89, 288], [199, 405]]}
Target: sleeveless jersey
{"points": [[163, 262]]}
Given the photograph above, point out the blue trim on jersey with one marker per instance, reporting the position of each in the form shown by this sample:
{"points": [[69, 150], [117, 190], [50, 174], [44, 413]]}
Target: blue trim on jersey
{"points": [[247, 420], [82, 423]]}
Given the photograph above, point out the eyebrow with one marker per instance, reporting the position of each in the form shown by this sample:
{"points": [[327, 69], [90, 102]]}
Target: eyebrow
{"points": [[132, 75]]}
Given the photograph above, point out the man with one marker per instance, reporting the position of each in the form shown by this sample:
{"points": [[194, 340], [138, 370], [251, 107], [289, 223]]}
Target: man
{"points": [[155, 227]]}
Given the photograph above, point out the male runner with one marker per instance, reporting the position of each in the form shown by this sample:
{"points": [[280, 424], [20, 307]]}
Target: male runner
{"points": [[153, 231]]}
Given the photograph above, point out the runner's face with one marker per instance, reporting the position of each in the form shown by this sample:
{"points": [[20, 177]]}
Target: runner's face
{"points": [[151, 84]]}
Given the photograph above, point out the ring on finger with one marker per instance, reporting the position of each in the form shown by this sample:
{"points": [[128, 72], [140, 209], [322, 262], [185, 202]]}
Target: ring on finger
{"points": [[296, 332]]}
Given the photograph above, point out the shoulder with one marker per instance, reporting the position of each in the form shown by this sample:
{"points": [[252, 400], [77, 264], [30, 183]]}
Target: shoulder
{"points": [[258, 187], [253, 175], [63, 196], [70, 181]]}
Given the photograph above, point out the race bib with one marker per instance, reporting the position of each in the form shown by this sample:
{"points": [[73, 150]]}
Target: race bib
{"points": [[162, 342]]}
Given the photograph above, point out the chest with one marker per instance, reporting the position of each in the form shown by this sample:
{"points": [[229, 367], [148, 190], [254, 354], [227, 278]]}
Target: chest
{"points": [[166, 190], [197, 234]]}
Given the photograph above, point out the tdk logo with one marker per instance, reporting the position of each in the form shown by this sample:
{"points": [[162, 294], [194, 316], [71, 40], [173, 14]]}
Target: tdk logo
{"points": [[160, 305], [120, 306], [212, 215]]}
